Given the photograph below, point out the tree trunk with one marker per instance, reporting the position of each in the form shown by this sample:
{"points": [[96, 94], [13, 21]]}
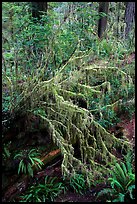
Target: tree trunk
{"points": [[129, 17], [103, 7], [37, 7], [118, 18]]}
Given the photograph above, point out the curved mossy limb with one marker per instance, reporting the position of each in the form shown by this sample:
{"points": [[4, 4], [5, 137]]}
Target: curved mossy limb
{"points": [[70, 124]]}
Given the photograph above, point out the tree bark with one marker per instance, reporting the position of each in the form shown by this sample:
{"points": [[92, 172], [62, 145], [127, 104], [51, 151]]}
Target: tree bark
{"points": [[118, 18], [129, 17], [103, 7], [37, 7]]}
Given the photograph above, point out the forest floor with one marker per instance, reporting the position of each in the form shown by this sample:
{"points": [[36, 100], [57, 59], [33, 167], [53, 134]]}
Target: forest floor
{"points": [[14, 185], [126, 125], [129, 129]]}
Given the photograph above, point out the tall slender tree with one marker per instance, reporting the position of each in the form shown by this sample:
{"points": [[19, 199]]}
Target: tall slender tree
{"points": [[129, 17], [118, 17], [102, 24]]}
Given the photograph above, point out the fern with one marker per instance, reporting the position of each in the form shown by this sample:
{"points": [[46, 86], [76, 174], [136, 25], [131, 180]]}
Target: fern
{"points": [[6, 152], [128, 160], [27, 160], [38, 160], [122, 181], [120, 198], [20, 166], [106, 191], [32, 160], [123, 166], [46, 192], [130, 189], [115, 183], [30, 171], [77, 183], [120, 174]]}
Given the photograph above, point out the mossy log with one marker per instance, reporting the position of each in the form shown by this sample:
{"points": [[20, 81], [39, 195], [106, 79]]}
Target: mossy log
{"points": [[68, 123]]}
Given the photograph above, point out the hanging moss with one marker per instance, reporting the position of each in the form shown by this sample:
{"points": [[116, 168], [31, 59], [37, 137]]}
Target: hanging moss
{"points": [[70, 124]]}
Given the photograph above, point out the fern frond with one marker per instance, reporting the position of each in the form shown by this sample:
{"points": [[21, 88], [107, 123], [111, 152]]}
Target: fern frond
{"points": [[20, 166], [120, 174], [130, 189], [30, 170], [32, 161], [128, 159], [38, 160], [25, 169], [120, 198], [108, 191], [18, 155], [32, 151], [124, 168], [131, 180], [115, 182]]}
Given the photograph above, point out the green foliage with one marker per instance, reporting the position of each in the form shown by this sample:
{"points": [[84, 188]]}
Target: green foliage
{"points": [[6, 153], [120, 92], [105, 48], [128, 106], [77, 183], [109, 118], [122, 181], [39, 111], [27, 160], [6, 103], [46, 67], [46, 192]]}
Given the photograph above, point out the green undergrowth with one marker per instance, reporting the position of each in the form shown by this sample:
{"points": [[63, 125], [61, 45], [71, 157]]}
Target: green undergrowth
{"points": [[27, 159], [77, 85], [44, 192], [122, 182], [52, 187], [78, 107]]}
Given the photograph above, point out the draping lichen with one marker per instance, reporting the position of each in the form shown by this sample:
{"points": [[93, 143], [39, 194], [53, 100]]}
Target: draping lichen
{"points": [[70, 124]]}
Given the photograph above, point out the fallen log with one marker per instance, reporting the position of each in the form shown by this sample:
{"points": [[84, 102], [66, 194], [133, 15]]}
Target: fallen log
{"points": [[49, 157], [22, 183]]}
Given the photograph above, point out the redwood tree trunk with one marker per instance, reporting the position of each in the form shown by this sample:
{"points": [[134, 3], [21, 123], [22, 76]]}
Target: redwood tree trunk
{"points": [[129, 17], [103, 7]]}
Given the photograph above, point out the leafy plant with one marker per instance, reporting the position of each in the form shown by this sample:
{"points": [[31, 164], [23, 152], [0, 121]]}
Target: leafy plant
{"points": [[78, 183], [46, 192], [122, 181], [40, 56], [27, 160], [121, 91], [109, 118], [6, 153]]}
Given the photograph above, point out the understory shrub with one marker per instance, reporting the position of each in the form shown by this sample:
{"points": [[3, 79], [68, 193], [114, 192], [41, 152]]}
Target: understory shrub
{"points": [[122, 182], [44, 192], [27, 159]]}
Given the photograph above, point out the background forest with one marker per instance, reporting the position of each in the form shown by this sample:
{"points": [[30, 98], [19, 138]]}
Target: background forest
{"points": [[68, 76]]}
